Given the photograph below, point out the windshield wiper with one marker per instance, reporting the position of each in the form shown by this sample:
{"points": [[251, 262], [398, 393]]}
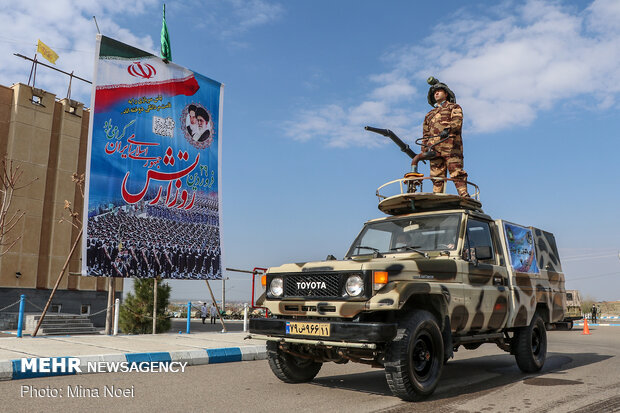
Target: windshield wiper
{"points": [[376, 251], [410, 248]]}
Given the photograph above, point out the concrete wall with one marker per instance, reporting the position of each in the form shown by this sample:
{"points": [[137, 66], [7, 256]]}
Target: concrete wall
{"points": [[71, 302]]}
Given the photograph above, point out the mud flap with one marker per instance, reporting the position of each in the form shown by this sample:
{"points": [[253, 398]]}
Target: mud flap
{"points": [[446, 334]]}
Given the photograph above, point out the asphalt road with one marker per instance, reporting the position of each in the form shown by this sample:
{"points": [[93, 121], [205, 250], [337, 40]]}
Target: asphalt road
{"points": [[580, 375]]}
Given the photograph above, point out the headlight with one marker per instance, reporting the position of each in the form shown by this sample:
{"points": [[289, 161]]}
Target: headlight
{"points": [[354, 286], [276, 287]]}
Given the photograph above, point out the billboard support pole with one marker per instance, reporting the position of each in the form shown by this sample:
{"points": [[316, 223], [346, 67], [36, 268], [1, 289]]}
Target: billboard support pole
{"points": [[223, 293], [155, 282], [216, 307], [62, 272], [108, 311]]}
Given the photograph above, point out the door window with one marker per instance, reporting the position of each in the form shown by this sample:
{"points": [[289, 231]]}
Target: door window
{"points": [[478, 235]]}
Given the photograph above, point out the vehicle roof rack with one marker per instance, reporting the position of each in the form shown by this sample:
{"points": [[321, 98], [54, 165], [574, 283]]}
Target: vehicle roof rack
{"points": [[406, 201]]}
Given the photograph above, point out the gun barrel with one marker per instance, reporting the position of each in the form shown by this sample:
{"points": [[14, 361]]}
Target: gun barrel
{"points": [[389, 134], [383, 132]]}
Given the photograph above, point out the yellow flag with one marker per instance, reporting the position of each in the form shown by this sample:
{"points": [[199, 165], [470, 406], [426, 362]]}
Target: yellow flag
{"points": [[47, 52]]}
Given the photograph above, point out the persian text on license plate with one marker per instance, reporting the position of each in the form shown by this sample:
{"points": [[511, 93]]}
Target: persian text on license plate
{"points": [[307, 329]]}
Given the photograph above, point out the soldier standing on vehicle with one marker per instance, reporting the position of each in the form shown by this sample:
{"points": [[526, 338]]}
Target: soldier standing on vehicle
{"points": [[446, 114]]}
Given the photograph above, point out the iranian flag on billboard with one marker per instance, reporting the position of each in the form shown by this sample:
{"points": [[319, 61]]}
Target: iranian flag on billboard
{"points": [[152, 197]]}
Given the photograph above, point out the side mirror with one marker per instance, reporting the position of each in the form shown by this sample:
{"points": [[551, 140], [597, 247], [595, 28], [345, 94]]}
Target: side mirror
{"points": [[484, 253]]}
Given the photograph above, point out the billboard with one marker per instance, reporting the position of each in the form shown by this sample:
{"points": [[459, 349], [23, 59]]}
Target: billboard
{"points": [[521, 250], [152, 198]]}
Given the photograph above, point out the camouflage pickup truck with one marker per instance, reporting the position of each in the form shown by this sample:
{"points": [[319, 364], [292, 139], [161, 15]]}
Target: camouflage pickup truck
{"points": [[435, 275], [573, 309]]}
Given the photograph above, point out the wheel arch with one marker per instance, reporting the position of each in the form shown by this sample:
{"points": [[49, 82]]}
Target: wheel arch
{"points": [[435, 304], [543, 311]]}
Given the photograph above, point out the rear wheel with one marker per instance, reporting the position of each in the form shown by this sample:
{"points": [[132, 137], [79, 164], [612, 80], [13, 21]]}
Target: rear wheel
{"points": [[569, 325], [289, 368], [531, 346], [414, 359]]}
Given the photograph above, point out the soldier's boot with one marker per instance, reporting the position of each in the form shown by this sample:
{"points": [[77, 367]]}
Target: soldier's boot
{"points": [[461, 188]]}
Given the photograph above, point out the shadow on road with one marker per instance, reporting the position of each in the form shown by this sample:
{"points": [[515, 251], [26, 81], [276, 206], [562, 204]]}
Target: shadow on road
{"points": [[372, 382], [473, 375]]}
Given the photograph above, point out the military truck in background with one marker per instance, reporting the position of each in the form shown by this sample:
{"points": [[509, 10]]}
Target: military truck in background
{"points": [[573, 310], [434, 276]]}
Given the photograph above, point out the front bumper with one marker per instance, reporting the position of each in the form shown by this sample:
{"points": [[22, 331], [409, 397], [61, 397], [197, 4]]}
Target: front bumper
{"points": [[339, 330]]}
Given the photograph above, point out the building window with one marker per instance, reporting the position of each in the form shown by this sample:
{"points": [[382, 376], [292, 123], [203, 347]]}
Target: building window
{"points": [[85, 309], [37, 96], [73, 107], [55, 308]]}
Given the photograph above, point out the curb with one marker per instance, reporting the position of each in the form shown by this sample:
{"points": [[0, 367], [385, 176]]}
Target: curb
{"points": [[11, 369], [598, 324]]}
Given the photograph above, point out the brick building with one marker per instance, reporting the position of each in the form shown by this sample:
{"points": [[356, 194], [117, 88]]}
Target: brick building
{"points": [[48, 138]]}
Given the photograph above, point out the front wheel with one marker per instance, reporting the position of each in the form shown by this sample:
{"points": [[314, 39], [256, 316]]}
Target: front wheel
{"points": [[531, 345], [415, 358], [289, 368]]}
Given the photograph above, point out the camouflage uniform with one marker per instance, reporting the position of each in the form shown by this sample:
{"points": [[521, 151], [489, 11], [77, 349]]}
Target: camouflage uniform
{"points": [[450, 152]]}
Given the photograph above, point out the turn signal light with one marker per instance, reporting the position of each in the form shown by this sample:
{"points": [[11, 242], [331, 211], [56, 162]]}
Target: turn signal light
{"points": [[263, 281], [380, 278]]}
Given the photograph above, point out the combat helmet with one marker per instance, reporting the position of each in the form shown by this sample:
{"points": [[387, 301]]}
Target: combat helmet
{"points": [[436, 84]]}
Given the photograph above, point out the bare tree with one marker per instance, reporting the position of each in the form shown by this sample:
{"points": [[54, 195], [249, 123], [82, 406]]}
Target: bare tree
{"points": [[77, 223], [10, 181], [74, 220]]}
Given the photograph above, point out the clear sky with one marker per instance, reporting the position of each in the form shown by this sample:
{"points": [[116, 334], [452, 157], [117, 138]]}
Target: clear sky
{"points": [[539, 83]]}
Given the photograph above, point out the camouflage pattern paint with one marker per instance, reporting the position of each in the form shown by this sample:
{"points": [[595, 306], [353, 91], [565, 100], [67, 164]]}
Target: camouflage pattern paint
{"points": [[477, 297]]}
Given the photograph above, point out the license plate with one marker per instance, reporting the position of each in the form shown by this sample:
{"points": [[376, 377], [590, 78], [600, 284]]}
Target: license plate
{"points": [[307, 329]]}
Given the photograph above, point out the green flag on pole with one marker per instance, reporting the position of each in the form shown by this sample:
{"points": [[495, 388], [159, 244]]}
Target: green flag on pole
{"points": [[166, 53]]}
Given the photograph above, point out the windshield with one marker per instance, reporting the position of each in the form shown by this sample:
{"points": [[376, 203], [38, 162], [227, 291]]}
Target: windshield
{"points": [[425, 233]]}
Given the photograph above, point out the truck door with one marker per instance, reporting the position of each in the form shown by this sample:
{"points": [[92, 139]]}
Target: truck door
{"points": [[486, 282]]}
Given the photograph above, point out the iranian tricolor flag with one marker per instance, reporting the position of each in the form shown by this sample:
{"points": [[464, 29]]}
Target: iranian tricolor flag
{"points": [[124, 71]]}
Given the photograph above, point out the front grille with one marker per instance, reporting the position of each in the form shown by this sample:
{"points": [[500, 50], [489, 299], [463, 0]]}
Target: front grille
{"points": [[313, 285]]}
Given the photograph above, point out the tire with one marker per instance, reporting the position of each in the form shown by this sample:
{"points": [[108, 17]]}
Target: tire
{"points": [[288, 368], [569, 325], [415, 358], [531, 346]]}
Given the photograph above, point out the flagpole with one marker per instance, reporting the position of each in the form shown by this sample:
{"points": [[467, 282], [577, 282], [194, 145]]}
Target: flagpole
{"points": [[165, 51], [96, 24]]}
